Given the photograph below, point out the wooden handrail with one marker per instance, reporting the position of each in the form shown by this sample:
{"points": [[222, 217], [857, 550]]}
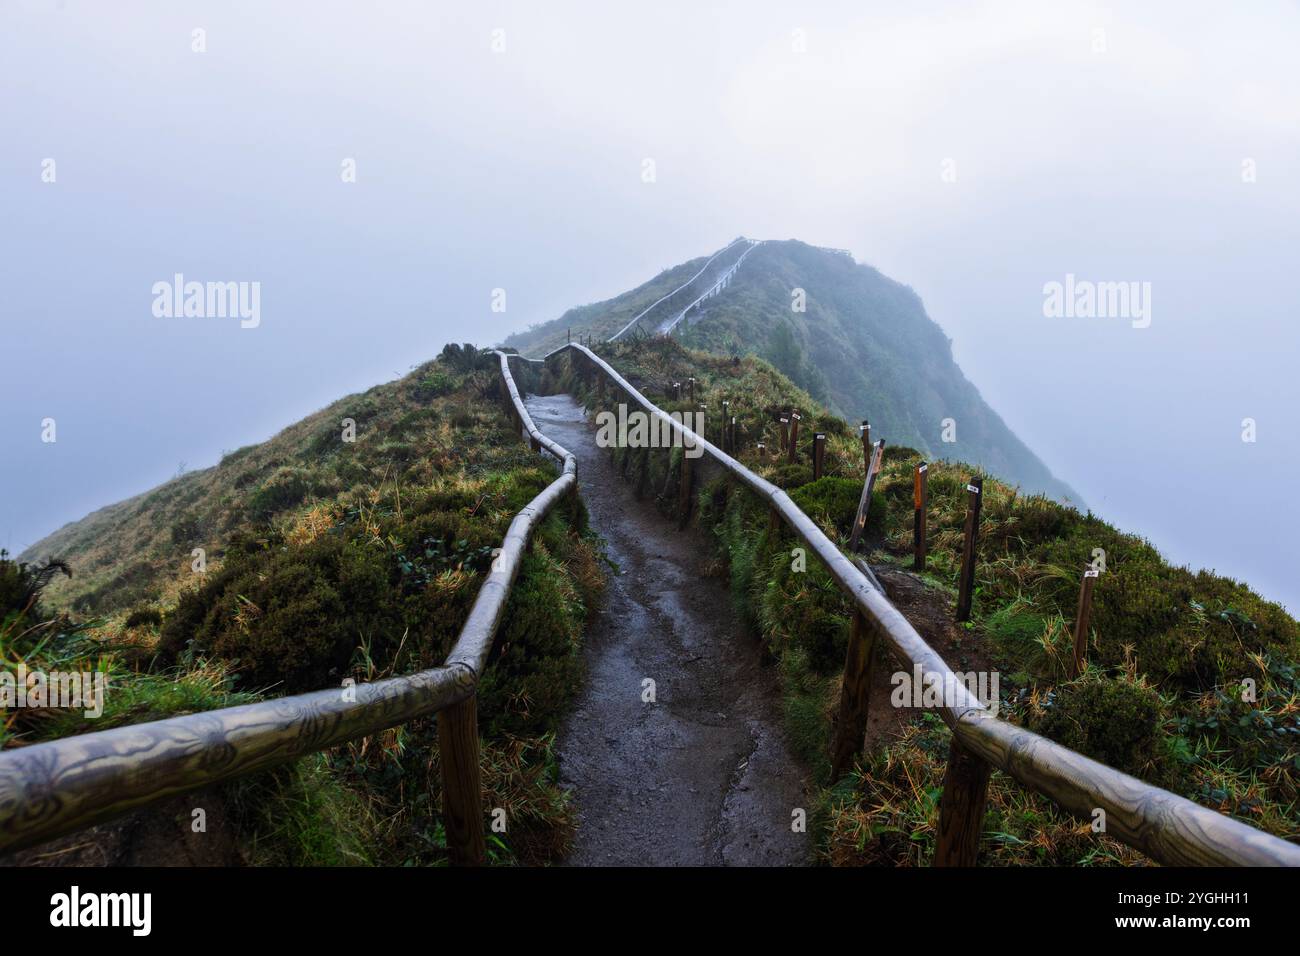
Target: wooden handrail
{"points": [[53, 788], [1163, 825], [59, 786]]}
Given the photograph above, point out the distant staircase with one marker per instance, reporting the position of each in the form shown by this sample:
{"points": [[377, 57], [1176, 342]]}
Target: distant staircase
{"points": [[724, 280], [721, 283]]}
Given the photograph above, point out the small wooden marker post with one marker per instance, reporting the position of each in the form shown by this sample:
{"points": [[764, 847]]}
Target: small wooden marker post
{"points": [[677, 390], [1082, 617], [961, 807], [785, 433], [794, 436], [462, 790], [920, 503], [865, 430], [684, 492], [726, 425], [851, 724], [733, 435], [690, 387], [864, 503], [966, 586], [819, 454]]}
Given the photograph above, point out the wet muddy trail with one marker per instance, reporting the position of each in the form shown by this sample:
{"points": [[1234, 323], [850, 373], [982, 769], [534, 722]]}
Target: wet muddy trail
{"points": [[702, 776]]}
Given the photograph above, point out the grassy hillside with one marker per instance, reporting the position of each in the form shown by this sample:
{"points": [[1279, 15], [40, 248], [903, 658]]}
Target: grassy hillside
{"points": [[1162, 697], [329, 559], [863, 346]]}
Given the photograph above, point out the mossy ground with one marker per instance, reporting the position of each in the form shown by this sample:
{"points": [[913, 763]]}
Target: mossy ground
{"points": [[329, 559], [1171, 653]]}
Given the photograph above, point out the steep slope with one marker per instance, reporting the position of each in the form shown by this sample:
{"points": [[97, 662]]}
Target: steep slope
{"points": [[863, 344], [330, 554], [405, 431]]}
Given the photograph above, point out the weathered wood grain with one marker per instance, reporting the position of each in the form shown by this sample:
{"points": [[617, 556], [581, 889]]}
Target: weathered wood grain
{"points": [[970, 548], [961, 807], [462, 788], [851, 724]]}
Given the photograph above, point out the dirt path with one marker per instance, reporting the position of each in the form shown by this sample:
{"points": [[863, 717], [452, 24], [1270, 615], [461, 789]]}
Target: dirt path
{"points": [[702, 776]]}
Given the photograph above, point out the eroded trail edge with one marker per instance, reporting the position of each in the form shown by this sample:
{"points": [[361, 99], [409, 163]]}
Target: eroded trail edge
{"points": [[704, 774]]}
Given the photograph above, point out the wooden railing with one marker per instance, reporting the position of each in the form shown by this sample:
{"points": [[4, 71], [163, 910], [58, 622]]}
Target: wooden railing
{"points": [[1164, 826], [53, 788]]}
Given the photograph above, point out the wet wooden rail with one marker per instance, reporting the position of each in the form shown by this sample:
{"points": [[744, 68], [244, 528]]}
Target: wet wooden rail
{"points": [[1166, 827], [54, 788]]}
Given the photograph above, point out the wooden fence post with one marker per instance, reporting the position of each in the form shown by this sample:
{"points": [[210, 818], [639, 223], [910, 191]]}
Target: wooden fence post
{"points": [[865, 430], [961, 808], [690, 388], [1082, 617], [733, 435], [684, 493], [462, 790], [920, 503], [726, 423], [642, 472], [819, 454], [851, 724], [864, 503], [785, 433], [794, 436], [965, 593]]}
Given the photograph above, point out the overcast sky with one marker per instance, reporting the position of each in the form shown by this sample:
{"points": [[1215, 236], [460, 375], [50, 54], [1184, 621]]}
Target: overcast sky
{"points": [[1109, 143]]}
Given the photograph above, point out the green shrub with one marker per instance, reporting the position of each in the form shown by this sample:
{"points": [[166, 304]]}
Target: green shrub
{"points": [[433, 385], [895, 453], [143, 617], [1117, 722], [790, 476], [835, 500], [285, 489]]}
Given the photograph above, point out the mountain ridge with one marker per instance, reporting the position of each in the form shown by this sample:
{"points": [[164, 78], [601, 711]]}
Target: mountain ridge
{"points": [[852, 337]]}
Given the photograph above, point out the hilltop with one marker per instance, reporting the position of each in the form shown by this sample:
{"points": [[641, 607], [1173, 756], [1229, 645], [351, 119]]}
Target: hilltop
{"points": [[331, 558], [863, 345]]}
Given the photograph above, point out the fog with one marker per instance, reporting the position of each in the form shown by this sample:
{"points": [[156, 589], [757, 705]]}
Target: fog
{"points": [[974, 152]]}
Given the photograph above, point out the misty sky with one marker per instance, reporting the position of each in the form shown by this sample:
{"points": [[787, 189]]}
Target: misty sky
{"points": [[521, 170]]}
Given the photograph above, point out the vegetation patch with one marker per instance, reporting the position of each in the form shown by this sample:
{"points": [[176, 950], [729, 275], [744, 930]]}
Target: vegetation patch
{"points": [[327, 560], [1191, 678]]}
